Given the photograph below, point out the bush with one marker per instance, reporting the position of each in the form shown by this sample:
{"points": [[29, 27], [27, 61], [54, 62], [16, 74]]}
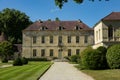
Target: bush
{"points": [[113, 56], [74, 58], [17, 62], [67, 57], [102, 49], [24, 60], [37, 59], [92, 59], [103, 62], [4, 60]]}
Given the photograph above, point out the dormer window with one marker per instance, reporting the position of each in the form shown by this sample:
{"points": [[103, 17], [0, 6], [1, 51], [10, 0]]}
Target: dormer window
{"points": [[77, 28], [61, 28], [43, 28]]}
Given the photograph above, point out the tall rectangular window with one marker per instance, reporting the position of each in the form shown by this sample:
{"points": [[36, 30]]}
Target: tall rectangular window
{"points": [[99, 34], [77, 51], [69, 52], [34, 39], [51, 52], [110, 31], [42, 52], [34, 52], [69, 39], [60, 39], [86, 39], [51, 39], [77, 39], [43, 39], [96, 35]]}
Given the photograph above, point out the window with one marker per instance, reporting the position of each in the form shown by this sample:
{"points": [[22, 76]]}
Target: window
{"points": [[77, 28], [34, 39], [42, 52], [51, 39], [43, 39], [77, 39], [110, 31], [69, 39], [86, 39], [96, 35], [44, 28], [51, 52], [77, 51], [99, 34], [61, 28], [34, 52], [60, 39], [69, 52]]}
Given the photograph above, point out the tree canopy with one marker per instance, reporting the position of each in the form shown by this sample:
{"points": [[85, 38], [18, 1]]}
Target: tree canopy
{"points": [[60, 3], [6, 49], [12, 22]]}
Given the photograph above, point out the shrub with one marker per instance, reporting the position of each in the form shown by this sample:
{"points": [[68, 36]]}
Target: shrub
{"points": [[103, 61], [91, 59], [17, 62], [68, 58], [4, 60], [102, 49], [37, 59], [74, 58], [113, 56], [24, 60]]}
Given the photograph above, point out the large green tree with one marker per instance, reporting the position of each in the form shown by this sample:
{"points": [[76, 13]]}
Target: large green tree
{"points": [[12, 22], [6, 50], [60, 3]]}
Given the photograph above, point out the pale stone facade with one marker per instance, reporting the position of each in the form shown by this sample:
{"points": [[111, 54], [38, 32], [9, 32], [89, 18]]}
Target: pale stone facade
{"points": [[107, 31], [55, 43]]}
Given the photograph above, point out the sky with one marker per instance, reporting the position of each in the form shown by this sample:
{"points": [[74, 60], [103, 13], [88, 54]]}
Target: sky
{"points": [[88, 12]]}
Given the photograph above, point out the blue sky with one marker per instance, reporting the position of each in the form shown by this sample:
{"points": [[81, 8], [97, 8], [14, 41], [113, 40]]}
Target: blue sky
{"points": [[89, 12]]}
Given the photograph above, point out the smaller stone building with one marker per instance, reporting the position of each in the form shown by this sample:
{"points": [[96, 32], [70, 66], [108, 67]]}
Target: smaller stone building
{"points": [[107, 30], [56, 39]]}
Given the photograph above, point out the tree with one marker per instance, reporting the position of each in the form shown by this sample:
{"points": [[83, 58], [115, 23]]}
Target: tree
{"points": [[12, 22], [6, 50], [60, 3], [57, 19]]}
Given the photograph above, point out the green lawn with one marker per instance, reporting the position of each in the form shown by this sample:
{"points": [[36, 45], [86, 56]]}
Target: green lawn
{"points": [[27, 72], [104, 74]]}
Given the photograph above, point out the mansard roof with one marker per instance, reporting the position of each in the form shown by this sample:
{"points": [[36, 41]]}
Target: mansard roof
{"points": [[54, 25], [112, 16]]}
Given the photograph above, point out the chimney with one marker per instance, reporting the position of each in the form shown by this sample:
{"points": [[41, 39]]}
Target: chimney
{"points": [[79, 21]]}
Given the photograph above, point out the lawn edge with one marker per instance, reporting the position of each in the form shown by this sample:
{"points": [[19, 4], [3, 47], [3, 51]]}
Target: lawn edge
{"points": [[44, 72]]}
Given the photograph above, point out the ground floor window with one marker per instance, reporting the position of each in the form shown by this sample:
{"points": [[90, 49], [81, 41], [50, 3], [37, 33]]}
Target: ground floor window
{"points": [[42, 52], [34, 52], [69, 52], [51, 52], [77, 51]]}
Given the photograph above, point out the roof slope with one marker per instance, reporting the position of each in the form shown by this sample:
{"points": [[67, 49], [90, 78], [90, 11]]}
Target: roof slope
{"points": [[54, 25], [112, 16]]}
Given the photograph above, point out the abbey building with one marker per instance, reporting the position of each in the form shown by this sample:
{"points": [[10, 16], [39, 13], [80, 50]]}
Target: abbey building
{"points": [[65, 38]]}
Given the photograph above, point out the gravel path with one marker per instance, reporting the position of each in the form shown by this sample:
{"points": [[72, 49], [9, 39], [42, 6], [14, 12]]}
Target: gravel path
{"points": [[64, 71], [3, 66]]}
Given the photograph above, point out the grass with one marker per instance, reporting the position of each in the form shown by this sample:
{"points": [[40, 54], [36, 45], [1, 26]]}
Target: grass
{"points": [[109, 74], [113, 74], [27, 72]]}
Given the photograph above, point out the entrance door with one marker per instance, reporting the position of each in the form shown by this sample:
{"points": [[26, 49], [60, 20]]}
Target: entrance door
{"points": [[60, 53]]}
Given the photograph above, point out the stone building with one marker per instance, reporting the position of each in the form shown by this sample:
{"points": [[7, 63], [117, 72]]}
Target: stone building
{"points": [[56, 39], [107, 30]]}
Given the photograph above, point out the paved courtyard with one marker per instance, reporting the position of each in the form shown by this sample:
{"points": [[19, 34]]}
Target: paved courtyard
{"points": [[64, 71]]}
